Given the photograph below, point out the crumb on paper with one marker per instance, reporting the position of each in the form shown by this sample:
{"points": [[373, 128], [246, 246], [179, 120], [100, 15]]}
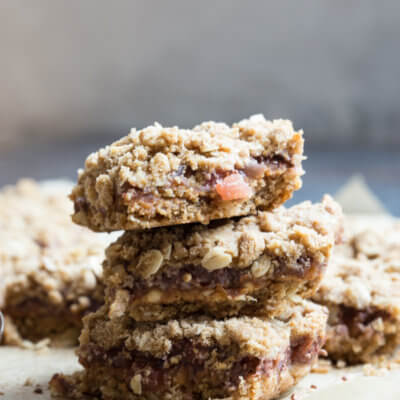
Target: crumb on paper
{"points": [[38, 390], [369, 370], [42, 345], [28, 382], [382, 365], [293, 397], [314, 387], [322, 367], [323, 353], [344, 378], [375, 370]]}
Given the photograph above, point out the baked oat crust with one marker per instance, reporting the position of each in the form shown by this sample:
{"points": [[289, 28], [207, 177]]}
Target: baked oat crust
{"points": [[237, 358], [362, 291], [50, 268], [238, 266], [161, 176]]}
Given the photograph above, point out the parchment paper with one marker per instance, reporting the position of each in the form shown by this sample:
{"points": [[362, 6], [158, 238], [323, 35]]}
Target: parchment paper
{"points": [[24, 371]]}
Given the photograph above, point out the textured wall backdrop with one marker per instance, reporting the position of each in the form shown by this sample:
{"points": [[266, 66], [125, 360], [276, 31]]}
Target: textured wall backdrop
{"points": [[97, 67]]}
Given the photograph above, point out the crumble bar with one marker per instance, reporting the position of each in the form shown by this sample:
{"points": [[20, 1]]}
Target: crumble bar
{"points": [[49, 267], [245, 358], [362, 292], [239, 266], [161, 176]]}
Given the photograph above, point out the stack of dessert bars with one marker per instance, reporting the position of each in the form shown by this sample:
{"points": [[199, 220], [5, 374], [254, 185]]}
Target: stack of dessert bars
{"points": [[206, 290]]}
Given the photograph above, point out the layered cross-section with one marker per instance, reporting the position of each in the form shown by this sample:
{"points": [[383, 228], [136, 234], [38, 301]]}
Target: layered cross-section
{"points": [[162, 176], [50, 269], [362, 291], [236, 358], [247, 266]]}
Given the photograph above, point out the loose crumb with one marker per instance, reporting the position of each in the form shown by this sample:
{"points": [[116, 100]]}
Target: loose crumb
{"points": [[313, 387], [376, 370], [28, 382], [38, 390], [1, 393], [323, 353], [293, 397], [344, 378], [322, 367], [42, 345]]}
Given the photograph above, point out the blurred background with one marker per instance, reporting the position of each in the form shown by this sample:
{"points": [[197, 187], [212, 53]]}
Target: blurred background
{"points": [[78, 75]]}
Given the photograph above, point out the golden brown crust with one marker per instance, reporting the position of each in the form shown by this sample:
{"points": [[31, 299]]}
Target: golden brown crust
{"points": [[239, 358], [162, 176], [229, 267], [362, 291]]}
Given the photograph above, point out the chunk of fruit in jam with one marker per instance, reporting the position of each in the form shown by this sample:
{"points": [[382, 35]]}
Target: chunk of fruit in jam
{"points": [[233, 187]]}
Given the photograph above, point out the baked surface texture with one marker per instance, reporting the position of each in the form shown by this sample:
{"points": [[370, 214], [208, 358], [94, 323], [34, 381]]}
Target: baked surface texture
{"points": [[161, 176], [362, 292], [49, 267], [237, 358], [248, 265]]}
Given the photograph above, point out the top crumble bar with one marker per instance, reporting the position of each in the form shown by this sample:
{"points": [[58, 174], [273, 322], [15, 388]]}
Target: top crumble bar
{"points": [[168, 176]]}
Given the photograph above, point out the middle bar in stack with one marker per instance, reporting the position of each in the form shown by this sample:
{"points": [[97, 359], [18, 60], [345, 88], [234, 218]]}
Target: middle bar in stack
{"points": [[249, 265]]}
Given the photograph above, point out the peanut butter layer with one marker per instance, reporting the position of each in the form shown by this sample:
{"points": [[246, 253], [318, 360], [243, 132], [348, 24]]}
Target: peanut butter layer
{"points": [[245, 265], [237, 358], [50, 269], [161, 176], [362, 291]]}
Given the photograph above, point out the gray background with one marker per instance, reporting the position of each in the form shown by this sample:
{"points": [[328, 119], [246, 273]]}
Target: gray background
{"points": [[77, 75]]}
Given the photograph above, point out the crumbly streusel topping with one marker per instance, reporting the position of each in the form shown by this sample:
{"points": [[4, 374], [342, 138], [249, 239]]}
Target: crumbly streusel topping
{"points": [[145, 158], [260, 337], [161, 176], [41, 247], [284, 234], [365, 271]]}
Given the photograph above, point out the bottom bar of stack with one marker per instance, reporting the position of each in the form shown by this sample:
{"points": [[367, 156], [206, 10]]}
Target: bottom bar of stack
{"points": [[197, 358]]}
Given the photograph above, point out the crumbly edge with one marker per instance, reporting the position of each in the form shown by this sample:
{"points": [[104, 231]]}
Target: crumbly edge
{"points": [[84, 385], [47, 262], [301, 330], [260, 258], [267, 301], [175, 211], [165, 176], [362, 292], [37, 313], [289, 234], [52, 331], [360, 336]]}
